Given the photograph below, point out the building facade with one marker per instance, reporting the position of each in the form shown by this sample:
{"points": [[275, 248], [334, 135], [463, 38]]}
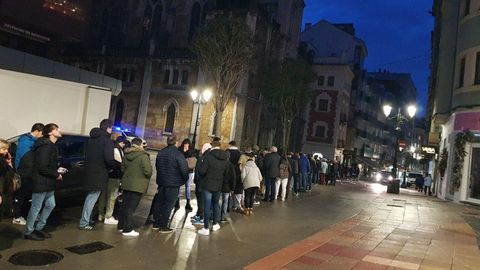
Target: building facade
{"points": [[146, 45], [454, 97]]}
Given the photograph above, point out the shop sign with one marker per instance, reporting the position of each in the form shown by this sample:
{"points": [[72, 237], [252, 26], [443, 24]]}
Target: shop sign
{"points": [[428, 150]]}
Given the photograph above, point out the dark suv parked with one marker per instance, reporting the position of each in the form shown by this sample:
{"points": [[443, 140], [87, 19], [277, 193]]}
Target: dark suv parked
{"points": [[71, 155]]}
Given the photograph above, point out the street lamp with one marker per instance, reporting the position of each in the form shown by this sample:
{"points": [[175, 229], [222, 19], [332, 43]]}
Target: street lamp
{"points": [[199, 99], [399, 119]]}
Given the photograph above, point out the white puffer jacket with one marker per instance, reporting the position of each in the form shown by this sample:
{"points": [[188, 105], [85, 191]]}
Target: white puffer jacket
{"points": [[251, 175]]}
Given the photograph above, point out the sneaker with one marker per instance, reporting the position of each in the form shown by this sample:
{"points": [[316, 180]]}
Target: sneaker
{"points": [[120, 231], [165, 230], [256, 202], [42, 234], [132, 233], [223, 220], [111, 221], [215, 227], [86, 228], [204, 231], [19, 221], [33, 237], [194, 218], [197, 222], [283, 199], [101, 218]]}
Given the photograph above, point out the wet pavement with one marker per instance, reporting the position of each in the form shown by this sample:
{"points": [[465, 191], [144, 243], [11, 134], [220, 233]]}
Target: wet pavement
{"points": [[352, 215]]}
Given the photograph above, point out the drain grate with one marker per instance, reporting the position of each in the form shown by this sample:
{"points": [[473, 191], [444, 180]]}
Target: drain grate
{"points": [[89, 248], [394, 205], [36, 257]]}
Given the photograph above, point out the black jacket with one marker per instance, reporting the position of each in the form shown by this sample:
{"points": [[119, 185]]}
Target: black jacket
{"points": [[272, 165], [45, 166], [229, 184], [234, 158], [98, 160], [172, 167], [213, 170]]}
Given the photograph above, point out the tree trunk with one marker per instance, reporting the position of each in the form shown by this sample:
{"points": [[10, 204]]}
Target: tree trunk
{"points": [[217, 131]]}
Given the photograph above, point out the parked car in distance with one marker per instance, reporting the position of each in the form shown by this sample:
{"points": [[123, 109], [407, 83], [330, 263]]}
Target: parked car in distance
{"points": [[117, 132], [71, 155], [412, 177], [383, 177]]}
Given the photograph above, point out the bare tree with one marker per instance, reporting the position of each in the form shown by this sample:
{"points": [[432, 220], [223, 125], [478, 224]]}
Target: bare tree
{"points": [[286, 84], [224, 48]]}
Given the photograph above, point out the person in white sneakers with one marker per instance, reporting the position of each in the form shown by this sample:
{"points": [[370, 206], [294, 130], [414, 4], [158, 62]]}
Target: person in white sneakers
{"points": [[137, 170], [106, 202], [213, 171]]}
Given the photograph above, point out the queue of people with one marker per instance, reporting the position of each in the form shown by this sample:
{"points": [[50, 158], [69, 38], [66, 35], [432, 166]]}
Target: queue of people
{"points": [[225, 179]]}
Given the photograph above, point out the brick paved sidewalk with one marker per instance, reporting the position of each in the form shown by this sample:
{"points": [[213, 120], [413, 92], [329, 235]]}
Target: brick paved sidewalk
{"points": [[394, 232]]}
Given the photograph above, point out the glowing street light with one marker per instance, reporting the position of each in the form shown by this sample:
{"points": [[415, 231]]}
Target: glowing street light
{"points": [[200, 99]]}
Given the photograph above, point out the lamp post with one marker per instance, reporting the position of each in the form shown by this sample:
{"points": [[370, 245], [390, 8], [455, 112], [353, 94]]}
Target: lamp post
{"points": [[399, 119], [199, 99]]}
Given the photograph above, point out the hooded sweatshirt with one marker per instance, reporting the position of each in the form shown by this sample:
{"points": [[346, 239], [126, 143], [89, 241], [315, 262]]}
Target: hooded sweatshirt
{"points": [[137, 170], [213, 170]]}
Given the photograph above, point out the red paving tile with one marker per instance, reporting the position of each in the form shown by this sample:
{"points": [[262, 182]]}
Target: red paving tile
{"points": [[354, 253], [369, 266], [331, 249], [386, 255], [309, 260]]}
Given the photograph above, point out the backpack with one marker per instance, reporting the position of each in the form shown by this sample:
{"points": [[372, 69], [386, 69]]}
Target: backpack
{"points": [[25, 168]]}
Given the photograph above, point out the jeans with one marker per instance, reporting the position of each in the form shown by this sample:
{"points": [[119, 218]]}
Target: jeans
{"points": [[188, 183], [296, 183], [283, 183], [167, 196], [237, 201], [303, 181], [270, 188], [38, 199], [429, 190], [210, 200], [310, 178], [225, 198], [199, 195], [106, 202], [90, 201], [130, 203]]}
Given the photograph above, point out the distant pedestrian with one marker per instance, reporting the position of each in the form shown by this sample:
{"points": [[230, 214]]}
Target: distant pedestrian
{"points": [[106, 202], [251, 177], [293, 173], [282, 179], [212, 172], [99, 159], [46, 173], [234, 158], [136, 178], [323, 171], [272, 166], [172, 173], [427, 184], [24, 194], [304, 168], [198, 218], [188, 153]]}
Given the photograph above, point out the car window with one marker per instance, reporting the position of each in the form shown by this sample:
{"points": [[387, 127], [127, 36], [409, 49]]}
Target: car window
{"points": [[72, 146]]}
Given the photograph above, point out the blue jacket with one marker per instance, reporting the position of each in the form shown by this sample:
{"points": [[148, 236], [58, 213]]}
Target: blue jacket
{"points": [[25, 144], [304, 164], [172, 167]]}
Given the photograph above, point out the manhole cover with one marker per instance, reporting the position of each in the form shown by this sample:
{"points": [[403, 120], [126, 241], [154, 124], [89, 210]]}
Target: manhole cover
{"points": [[36, 257], [394, 205], [89, 248]]}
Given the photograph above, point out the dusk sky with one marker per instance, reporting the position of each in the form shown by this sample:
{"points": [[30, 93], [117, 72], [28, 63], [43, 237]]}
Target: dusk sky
{"points": [[397, 34]]}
